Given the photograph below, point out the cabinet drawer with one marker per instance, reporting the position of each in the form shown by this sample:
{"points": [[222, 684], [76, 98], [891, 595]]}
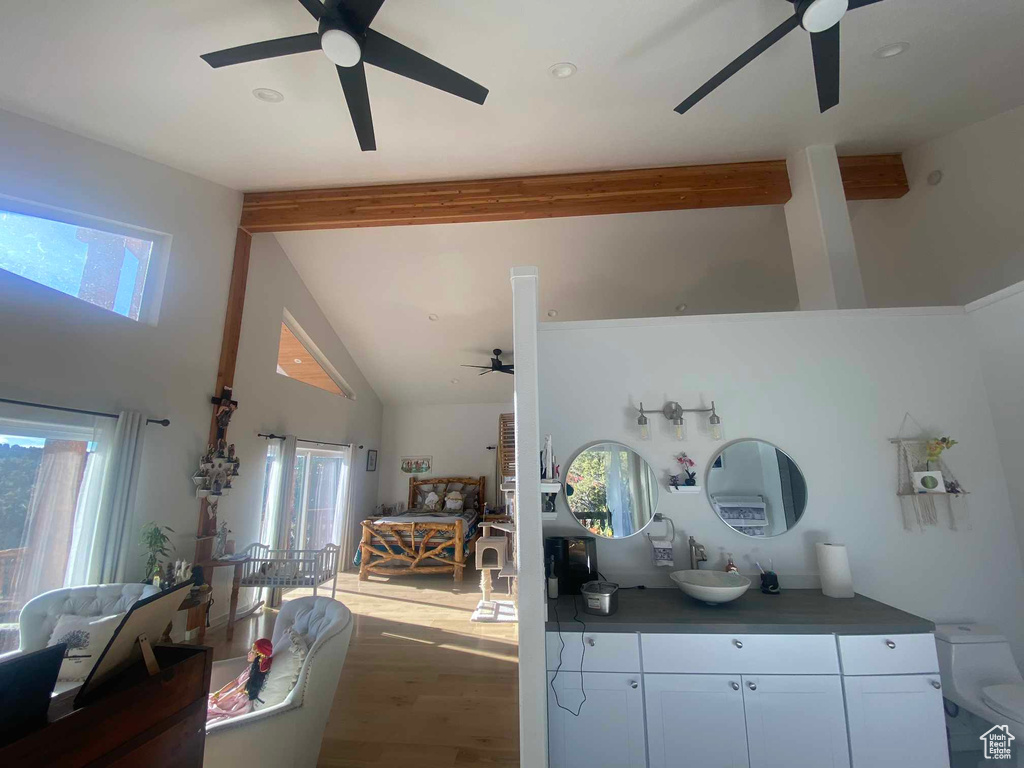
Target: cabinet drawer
{"points": [[741, 654], [888, 654], [605, 651]]}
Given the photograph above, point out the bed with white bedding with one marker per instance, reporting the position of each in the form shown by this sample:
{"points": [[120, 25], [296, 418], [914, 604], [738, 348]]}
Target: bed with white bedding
{"points": [[428, 537]]}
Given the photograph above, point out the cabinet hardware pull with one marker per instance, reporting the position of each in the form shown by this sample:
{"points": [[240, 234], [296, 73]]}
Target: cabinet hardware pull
{"points": [[735, 685], [590, 642], [890, 643], [936, 684], [634, 684], [737, 643], [752, 686]]}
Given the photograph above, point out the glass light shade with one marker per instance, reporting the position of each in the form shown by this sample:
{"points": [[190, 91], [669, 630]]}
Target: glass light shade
{"points": [[645, 430], [716, 430], [680, 425]]}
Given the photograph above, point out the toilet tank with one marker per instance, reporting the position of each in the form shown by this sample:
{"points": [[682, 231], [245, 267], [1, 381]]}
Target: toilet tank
{"points": [[972, 656]]}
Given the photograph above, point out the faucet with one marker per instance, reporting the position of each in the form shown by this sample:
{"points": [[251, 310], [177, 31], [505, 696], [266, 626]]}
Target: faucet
{"points": [[698, 554]]}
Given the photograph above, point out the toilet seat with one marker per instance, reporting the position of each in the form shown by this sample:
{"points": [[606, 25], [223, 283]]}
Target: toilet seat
{"points": [[1006, 699]]}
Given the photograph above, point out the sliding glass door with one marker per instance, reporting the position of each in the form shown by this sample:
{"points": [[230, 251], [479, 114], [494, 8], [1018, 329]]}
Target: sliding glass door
{"points": [[319, 499]]}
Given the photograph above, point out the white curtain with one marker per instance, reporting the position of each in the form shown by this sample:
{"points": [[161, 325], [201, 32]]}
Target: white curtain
{"points": [[105, 527], [343, 533], [280, 487]]}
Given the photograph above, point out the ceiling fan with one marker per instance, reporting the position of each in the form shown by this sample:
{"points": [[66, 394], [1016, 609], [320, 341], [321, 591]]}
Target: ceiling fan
{"points": [[820, 18], [345, 37], [496, 365]]}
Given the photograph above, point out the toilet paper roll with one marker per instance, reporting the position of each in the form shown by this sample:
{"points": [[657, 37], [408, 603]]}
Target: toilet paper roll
{"points": [[834, 567]]}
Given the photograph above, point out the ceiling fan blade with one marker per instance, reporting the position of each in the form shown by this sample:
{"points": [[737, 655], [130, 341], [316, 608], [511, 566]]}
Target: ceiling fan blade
{"points": [[484, 373], [748, 56], [361, 13], [315, 8], [509, 369], [485, 367], [353, 83], [383, 52], [825, 50], [268, 49], [855, 4]]}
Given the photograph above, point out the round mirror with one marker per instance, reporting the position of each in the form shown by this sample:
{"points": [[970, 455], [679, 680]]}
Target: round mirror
{"points": [[611, 490], [755, 488]]}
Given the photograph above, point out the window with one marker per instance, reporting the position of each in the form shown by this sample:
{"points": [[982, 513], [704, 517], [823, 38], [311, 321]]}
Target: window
{"points": [[46, 472], [105, 267], [298, 358]]}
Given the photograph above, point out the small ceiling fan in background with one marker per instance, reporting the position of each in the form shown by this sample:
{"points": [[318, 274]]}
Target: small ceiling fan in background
{"points": [[495, 366], [345, 37], [819, 17]]}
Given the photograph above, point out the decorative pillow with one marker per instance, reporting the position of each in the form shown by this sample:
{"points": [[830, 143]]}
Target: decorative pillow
{"points": [[432, 502], [284, 671], [453, 501], [86, 637]]}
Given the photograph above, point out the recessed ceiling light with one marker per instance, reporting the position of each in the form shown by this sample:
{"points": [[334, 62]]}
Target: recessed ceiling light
{"points": [[432, 318], [455, 381], [298, 360], [268, 95], [552, 313], [681, 308], [888, 51], [562, 70]]}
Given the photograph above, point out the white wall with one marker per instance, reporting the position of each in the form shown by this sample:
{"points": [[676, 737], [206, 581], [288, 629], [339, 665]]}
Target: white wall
{"points": [[955, 242], [998, 324], [829, 389], [57, 349], [456, 436]]}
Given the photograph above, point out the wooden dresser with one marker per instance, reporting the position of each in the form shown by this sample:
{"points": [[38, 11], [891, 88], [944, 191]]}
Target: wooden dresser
{"points": [[132, 720]]}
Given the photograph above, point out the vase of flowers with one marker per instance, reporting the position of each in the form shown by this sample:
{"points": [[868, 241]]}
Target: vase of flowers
{"points": [[687, 465]]}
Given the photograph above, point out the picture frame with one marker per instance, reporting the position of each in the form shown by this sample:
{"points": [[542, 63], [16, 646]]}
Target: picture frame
{"points": [[719, 462], [371, 460], [416, 465]]}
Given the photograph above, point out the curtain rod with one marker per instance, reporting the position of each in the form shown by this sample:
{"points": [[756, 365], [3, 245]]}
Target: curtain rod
{"points": [[161, 422], [304, 440]]}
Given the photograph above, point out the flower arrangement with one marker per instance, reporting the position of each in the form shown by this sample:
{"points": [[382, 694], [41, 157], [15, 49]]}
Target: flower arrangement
{"points": [[686, 464], [935, 449]]}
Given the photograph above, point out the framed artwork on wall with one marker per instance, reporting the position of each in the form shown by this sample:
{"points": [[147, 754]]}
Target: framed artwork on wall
{"points": [[416, 465], [371, 460]]}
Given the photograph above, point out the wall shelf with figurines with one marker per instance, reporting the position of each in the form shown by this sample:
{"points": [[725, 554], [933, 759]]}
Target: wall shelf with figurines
{"points": [[691, 489], [217, 468]]}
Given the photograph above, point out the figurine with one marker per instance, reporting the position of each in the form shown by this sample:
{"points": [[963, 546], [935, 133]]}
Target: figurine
{"points": [[216, 489], [547, 469], [231, 452], [169, 579], [220, 548], [225, 410], [673, 480]]}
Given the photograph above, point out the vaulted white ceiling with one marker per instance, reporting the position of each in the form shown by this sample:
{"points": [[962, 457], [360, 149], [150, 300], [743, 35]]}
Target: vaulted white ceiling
{"points": [[129, 73], [378, 287]]}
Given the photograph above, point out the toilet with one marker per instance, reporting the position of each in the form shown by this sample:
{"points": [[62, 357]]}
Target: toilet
{"points": [[979, 675]]}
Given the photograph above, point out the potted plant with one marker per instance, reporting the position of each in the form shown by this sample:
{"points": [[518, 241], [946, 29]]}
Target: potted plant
{"points": [[155, 542], [687, 464]]}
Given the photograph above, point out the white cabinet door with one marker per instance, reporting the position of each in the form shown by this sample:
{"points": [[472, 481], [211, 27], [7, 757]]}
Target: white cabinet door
{"points": [[795, 721], [695, 721], [896, 721], [609, 732]]}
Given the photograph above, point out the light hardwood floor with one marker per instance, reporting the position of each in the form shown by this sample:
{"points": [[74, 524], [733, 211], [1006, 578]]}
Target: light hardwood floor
{"points": [[422, 685]]}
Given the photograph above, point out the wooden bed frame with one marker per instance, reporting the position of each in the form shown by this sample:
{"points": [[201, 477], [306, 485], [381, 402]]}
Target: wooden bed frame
{"points": [[405, 555]]}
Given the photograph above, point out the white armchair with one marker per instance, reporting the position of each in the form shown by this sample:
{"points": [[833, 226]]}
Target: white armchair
{"points": [[289, 733], [40, 614]]}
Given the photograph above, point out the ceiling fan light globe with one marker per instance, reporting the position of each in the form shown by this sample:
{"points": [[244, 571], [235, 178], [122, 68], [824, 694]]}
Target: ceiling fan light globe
{"points": [[341, 47], [819, 15]]}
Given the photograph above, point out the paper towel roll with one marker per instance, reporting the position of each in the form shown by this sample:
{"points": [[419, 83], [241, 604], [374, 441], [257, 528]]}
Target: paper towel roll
{"points": [[834, 567]]}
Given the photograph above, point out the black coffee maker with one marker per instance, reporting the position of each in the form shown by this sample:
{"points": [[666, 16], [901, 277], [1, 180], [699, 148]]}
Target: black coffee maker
{"points": [[574, 560]]}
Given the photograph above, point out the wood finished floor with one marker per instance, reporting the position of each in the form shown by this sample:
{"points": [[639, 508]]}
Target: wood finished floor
{"points": [[422, 685]]}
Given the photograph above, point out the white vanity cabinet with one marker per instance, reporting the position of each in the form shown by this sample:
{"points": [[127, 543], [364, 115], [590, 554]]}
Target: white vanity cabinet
{"points": [[894, 701], [609, 730]]}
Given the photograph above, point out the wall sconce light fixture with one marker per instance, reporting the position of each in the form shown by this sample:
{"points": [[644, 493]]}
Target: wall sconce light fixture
{"points": [[673, 411]]}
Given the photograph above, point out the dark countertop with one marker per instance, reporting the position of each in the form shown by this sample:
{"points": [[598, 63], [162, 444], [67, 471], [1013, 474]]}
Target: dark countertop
{"points": [[793, 612]]}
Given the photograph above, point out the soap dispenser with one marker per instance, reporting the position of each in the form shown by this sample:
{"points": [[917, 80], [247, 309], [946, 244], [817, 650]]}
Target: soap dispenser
{"points": [[730, 567]]}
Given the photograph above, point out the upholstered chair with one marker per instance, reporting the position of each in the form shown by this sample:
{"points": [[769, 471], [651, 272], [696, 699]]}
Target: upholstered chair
{"points": [[287, 734]]}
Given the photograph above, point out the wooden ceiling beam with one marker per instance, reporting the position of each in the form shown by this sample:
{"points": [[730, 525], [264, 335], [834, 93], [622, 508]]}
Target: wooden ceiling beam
{"points": [[540, 197]]}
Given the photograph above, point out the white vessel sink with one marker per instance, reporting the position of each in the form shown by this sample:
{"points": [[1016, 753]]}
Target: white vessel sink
{"points": [[712, 587]]}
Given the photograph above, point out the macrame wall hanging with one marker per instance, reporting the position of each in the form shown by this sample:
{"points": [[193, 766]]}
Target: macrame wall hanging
{"points": [[924, 499]]}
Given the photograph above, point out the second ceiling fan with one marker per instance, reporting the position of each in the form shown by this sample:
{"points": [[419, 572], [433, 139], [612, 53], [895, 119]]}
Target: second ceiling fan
{"points": [[819, 17], [345, 37]]}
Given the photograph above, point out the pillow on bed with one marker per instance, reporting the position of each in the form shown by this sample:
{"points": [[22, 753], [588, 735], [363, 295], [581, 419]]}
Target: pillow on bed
{"points": [[453, 501], [432, 502]]}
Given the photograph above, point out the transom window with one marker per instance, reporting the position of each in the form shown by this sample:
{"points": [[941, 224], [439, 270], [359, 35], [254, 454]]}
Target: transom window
{"points": [[299, 358], [102, 267]]}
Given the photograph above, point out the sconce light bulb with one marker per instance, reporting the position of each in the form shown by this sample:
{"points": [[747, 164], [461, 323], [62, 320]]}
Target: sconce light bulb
{"points": [[645, 432], [716, 431], [680, 428], [715, 423]]}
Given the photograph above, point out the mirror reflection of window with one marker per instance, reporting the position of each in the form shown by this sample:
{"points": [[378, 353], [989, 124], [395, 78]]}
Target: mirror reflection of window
{"points": [[611, 491], [757, 489]]}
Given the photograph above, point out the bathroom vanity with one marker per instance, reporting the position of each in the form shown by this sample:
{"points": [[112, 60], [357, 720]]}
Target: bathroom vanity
{"points": [[795, 680]]}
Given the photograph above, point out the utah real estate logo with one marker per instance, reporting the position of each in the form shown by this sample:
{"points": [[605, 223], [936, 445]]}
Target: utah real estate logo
{"points": [[997, 743]]}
